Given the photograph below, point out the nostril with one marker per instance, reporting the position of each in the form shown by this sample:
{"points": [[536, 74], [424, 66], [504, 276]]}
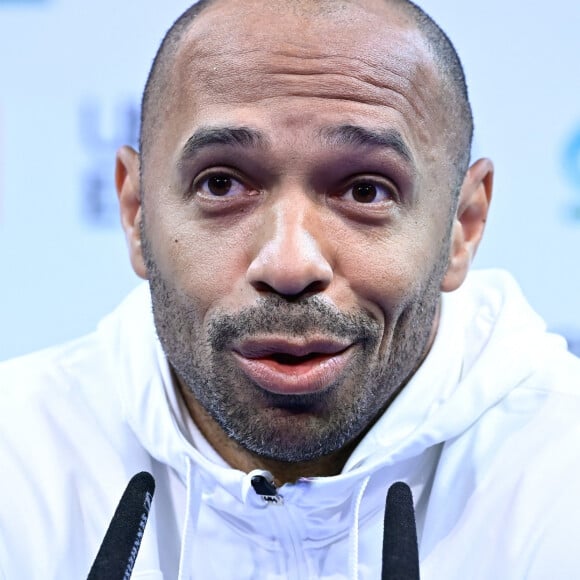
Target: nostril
{"points": [[263, 287], [313, 288]]}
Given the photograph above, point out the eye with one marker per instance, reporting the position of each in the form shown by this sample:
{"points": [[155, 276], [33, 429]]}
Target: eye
{"points": [[219, 184], [367, 191]]}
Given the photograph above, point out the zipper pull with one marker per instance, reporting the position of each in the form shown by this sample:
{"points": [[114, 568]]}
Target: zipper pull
{"points": [[266, 488]]}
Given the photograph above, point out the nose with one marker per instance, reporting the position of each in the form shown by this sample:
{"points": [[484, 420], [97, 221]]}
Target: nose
{"points": [[290, 259]]}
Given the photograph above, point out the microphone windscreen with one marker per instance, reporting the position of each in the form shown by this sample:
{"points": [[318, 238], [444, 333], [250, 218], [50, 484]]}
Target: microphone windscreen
{"points": [[118, 551], [400, 550]]}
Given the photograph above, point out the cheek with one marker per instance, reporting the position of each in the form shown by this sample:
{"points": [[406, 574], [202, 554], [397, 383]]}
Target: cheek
{"points": [[390, 273], [202, 261]]}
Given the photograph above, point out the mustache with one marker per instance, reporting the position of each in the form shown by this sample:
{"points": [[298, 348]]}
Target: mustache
{"points": [[276, 315]]}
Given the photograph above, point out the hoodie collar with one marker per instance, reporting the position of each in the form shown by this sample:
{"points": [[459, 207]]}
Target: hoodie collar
{"points": [[456, 383]]}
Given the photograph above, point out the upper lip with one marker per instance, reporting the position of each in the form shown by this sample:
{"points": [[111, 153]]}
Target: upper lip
{"points": [[265, 347]]}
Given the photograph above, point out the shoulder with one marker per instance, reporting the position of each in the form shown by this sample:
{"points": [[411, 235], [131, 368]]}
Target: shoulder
{"points": [[52, 382], [79, 387], [65, 446], [81, 373], [59, 406]]}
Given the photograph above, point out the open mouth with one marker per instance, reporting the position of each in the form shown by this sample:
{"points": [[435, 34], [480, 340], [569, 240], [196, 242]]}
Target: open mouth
{"points": [[283, 358], [293, 368]]}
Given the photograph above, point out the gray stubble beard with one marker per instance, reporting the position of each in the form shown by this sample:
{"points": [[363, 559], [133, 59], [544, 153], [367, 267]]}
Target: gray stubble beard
{"points": [[290, 428]]}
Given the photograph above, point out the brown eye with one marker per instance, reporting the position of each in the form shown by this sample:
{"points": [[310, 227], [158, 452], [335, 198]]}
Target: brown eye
{"points": [[219, 185], [364, 192], [369, 191]]}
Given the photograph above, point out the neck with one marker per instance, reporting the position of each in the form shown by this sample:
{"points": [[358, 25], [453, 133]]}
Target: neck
{"points": [[284, 472], [240, 458]]}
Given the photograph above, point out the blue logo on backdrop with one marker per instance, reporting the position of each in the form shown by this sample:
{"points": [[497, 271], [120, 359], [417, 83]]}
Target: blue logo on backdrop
{"points": [[99, 199], [572, 169]]}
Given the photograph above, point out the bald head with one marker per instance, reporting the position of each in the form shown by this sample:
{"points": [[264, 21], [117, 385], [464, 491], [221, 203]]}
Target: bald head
{"points": [[453, 89]]}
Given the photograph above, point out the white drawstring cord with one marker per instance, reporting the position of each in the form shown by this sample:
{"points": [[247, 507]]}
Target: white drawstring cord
{"points": [[185, 539], [192, 508], [354, 539]]}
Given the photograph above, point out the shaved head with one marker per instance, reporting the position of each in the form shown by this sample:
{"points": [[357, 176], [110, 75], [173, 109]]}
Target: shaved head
{"points": [[453, 87]]}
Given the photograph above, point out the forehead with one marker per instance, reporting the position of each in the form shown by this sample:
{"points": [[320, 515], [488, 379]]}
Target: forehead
{"points": [[288, 61], [370, 41]]}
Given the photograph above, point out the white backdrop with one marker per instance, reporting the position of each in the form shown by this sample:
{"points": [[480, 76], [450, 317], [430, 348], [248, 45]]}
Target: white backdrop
{"points": [[71, 74]]}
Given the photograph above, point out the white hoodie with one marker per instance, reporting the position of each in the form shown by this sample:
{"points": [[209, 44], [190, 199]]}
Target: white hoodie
{"points": [[486, 434]]}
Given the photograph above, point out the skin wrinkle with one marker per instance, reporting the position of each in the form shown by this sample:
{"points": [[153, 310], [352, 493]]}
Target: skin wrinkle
{"points": [[355, 92], [402, 14], [398, 79], [325, 97], [361, 91], [374, 58]]}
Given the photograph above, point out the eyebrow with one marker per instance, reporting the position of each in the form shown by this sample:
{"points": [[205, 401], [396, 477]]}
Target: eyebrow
{"points": [[336, 136], [229, 136], [357, 136]]}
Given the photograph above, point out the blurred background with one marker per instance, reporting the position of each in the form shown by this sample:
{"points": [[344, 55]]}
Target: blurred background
{"points": [[71, 74]]}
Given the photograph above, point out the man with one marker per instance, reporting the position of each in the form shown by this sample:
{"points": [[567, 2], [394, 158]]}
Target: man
{"points": [[304, 210]]}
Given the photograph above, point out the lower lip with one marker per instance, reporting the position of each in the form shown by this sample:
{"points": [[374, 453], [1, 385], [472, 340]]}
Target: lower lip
{"points": [[310, 376]]}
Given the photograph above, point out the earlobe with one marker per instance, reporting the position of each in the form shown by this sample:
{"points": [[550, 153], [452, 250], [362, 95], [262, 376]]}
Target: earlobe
{"points": [[469, 222], [127, 181]]}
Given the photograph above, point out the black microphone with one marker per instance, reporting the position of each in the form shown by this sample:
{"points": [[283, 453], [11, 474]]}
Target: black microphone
{"points": [[118, 552], [400, 550]]}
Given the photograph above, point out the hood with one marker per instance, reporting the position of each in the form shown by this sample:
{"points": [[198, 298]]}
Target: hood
{"points": [[471, 366]]}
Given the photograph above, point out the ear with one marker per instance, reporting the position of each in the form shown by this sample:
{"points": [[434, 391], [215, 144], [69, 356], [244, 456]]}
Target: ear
{"points": [[469, 222], [127, 181]]}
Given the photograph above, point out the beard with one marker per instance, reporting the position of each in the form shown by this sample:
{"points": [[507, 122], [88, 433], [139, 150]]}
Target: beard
{"points": [[295, 427]]}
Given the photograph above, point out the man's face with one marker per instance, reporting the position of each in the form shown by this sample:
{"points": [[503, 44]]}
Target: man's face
{"points": [[296, 217]]}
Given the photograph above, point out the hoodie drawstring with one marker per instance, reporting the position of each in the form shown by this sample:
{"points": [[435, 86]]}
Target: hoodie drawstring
{"points": [[353, 535], [192, 508]]}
